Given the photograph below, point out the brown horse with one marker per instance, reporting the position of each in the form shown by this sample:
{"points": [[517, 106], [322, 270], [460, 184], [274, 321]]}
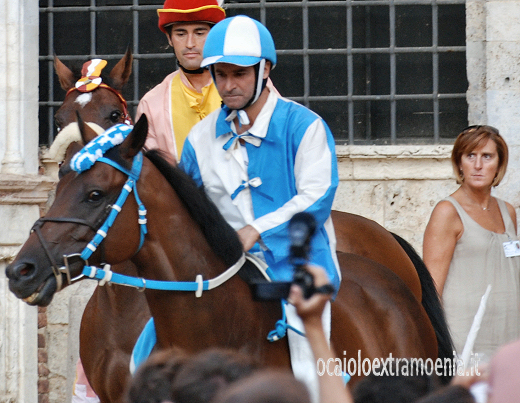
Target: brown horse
{"points": [[123, 308], [372, 308]]}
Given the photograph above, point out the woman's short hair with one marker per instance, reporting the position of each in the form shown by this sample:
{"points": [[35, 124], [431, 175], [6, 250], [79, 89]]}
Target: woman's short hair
{"points": [[473, 137]]}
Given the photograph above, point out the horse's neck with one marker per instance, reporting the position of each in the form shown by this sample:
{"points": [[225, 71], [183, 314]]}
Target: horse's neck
{"points": [[177, 249]]}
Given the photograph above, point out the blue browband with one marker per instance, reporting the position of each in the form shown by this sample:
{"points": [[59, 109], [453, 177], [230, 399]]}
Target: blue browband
{"points": [[130, 185]]}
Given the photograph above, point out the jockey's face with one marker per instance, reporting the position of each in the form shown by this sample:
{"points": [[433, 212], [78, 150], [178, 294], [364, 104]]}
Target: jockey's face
{"points": [[235, 84], [187, 40]]}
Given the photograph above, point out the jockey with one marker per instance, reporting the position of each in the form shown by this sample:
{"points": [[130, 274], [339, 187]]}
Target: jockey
{"points": [[188, 94], [261, 159], [259, 156]]}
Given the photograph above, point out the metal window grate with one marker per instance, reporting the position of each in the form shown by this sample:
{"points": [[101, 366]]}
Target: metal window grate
{"points": [[379, 72]]}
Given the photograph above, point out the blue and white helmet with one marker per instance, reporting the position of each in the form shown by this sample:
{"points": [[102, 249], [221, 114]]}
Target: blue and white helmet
{"points": [[241, 41], [238, 40]]}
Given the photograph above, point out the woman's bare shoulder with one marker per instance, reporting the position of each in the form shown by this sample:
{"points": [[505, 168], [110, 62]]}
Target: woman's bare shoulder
{"points": [[445, 208], [445, 217]]}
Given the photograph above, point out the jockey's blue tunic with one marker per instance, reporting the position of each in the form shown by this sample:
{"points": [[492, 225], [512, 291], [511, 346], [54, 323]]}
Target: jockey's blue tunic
{"points": [[290, 167]]}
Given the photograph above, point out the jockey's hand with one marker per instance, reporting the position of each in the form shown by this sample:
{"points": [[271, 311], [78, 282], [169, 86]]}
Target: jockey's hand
{"points": [[248, 236], [310, 309]]}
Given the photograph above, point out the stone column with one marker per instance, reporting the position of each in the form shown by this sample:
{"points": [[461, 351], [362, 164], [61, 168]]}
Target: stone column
{"points": [[21, 198], [503, 86], [18, 346], [19, 86], [476, 60]]}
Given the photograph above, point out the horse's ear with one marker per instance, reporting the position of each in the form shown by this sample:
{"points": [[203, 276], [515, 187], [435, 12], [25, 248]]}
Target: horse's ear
{"points": [[65, 75], [122, 70], [87, 133], [136, 139], [72, 149]]}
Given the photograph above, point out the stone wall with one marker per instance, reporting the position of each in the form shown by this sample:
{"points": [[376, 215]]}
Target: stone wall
{"points": [[394, 186], [22, 192], [61, 335], [22, 197]]}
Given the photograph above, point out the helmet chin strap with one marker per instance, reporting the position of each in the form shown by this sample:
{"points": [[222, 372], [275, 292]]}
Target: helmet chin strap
{"points": [[260, 82], [200, 70], [260, 85]]}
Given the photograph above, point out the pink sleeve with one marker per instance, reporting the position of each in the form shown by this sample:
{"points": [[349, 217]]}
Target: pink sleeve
{"points": [[155, 104]]}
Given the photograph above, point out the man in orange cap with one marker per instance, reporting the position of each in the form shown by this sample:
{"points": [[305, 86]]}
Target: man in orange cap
{"points": [[187, 95]]}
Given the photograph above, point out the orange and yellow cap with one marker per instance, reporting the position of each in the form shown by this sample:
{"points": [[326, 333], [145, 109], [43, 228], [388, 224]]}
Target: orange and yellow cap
{"points": [[189, 11]]}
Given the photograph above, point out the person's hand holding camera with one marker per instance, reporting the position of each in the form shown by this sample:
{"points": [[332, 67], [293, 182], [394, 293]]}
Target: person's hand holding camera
{"points": [[332, 389], [312, 308]]}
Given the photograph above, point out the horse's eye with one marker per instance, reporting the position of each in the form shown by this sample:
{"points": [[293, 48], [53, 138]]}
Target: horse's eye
{"points": [[115, 116], [95, 196], [58, 125]]}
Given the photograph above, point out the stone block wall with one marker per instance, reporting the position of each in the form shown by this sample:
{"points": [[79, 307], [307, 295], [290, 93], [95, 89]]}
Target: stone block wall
{"points": [[22, 198], [397, 187]]}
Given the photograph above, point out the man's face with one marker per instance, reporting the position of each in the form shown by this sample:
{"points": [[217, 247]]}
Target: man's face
{"points": [[235, 84], [187, 40]]}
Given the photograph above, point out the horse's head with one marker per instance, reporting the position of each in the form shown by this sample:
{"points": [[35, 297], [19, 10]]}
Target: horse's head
{"points": [[84, 199], [102, 105]]}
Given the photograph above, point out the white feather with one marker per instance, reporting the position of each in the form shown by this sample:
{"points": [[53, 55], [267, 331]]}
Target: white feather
{"points": [[475, 327]]}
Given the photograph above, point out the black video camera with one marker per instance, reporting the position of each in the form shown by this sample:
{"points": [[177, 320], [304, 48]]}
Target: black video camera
{"points": [[301, 230]]}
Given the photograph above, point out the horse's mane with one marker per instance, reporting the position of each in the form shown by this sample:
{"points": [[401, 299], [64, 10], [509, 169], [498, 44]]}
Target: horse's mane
{"points": [[221, 237]]}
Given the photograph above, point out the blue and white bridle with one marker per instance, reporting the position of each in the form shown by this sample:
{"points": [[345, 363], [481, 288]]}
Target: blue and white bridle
{"points": [[94, 152]]}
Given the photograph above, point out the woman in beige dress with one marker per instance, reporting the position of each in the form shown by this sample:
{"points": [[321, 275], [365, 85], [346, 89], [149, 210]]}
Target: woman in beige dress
{"points": [[471, 242]]}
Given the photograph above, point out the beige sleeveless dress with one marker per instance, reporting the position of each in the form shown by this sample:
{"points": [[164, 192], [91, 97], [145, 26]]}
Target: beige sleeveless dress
{"points": [[479, 260]]}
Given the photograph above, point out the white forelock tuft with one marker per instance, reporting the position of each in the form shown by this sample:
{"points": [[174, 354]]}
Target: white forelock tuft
{"points": [[65, 137]]}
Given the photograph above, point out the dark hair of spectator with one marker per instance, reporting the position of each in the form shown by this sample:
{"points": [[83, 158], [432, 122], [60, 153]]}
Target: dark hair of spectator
{"points": [[266, 386], [206, 373]]}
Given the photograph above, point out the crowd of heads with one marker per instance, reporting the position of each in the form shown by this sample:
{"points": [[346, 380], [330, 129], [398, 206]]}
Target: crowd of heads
{"points": [[213, 375], [227, 376]]}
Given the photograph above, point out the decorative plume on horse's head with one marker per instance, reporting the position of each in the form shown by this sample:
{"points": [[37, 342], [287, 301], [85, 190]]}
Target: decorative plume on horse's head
{"points": [[94, 150], [67, 136], [91, 75]]}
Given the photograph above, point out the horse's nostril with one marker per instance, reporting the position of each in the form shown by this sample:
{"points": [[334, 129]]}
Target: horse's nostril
{"points": [[19, 270], [23, 271]]}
